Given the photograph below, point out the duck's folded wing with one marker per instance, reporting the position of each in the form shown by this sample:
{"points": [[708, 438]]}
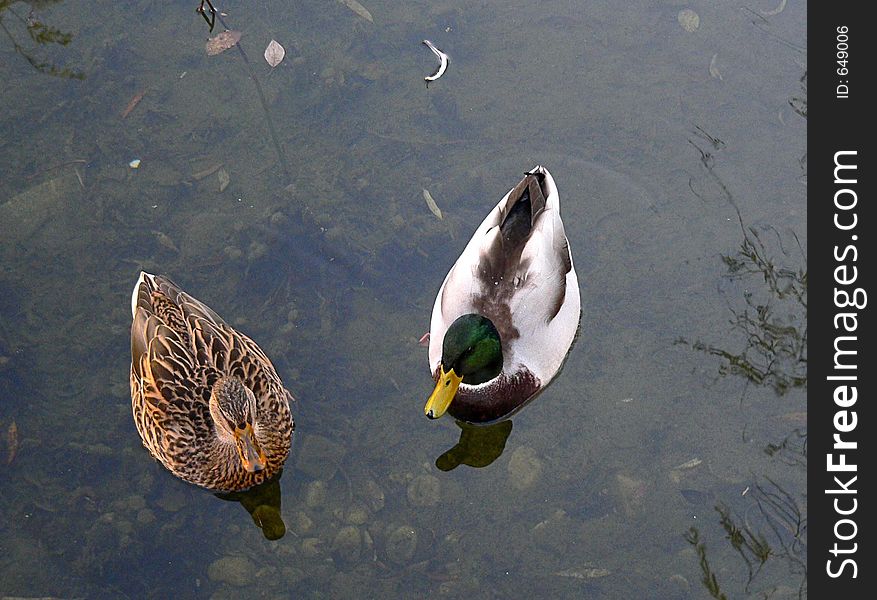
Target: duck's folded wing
{"points": [[162, 373], [541, 276]]}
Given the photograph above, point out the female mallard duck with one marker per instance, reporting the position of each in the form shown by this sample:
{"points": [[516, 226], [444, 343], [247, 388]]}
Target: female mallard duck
{"points": [[508, 310], [207, 402]]}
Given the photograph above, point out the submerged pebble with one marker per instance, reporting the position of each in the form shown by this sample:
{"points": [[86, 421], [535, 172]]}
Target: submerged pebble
{"points": [[233, 252], [401, 544], [256, 251], [524, 468], [279, 219], [233, 570], [631, 494], [315, 494], [424, 490], [356, 515], [319, 457], [347, 544], [689, 19], [301, 523], [373, 495], [172, 499], [680, 582], [145, 516], [311, 547]]}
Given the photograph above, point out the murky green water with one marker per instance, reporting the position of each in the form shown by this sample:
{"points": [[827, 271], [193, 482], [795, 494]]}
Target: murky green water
{"points": [[666, 461]]}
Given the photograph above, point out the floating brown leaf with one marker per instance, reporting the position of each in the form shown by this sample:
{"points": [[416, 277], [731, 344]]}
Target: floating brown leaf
{"points": [[274, 53], [11, 442], [133, 102], [222, 42]]}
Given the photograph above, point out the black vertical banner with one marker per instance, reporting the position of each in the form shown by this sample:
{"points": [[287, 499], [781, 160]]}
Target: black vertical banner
{"points": [[842, 437]]}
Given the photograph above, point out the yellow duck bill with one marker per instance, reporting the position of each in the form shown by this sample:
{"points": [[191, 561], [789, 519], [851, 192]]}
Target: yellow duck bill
{"points": [[252, 456], [443, 394]]}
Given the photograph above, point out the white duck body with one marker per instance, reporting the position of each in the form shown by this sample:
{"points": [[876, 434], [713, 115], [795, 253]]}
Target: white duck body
{"points": [[526, 284]]}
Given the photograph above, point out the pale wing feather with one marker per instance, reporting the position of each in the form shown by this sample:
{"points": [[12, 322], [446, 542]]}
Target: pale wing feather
{"points": [[541, 277]]}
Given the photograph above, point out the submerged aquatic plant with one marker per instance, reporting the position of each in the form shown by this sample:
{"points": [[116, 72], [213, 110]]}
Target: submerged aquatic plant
{"points": [[709, 580], [799, 103], [773, 324], [772, 526], [769, 351], [42, 34], [750, 545], [773, 319], [793, 449]]}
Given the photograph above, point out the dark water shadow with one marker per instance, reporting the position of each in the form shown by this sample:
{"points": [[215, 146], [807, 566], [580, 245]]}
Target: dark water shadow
{"points": [[478, 447], [263, 503]]}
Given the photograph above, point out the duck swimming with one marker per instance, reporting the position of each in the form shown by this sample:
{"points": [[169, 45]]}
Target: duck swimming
{"points": [[508, 310], [207, 402]]}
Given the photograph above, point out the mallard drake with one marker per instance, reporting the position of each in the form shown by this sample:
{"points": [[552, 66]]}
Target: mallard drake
{"points": [[207, 402], [507, 311]]}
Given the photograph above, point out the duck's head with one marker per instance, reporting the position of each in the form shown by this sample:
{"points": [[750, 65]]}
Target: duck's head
{"points": [[233, 407], [471, 354]]}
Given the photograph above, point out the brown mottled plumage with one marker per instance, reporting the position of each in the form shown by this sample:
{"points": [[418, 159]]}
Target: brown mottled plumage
{"points": [[198, 388]]}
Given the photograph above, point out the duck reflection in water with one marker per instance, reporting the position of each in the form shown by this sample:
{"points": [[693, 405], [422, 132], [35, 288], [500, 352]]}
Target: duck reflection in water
{"points": [[263, 503], [478, 447]]}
